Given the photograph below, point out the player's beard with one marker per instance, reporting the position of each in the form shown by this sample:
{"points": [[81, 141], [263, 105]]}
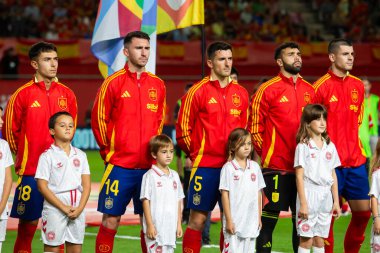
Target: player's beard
{"points": [[291, 69]]}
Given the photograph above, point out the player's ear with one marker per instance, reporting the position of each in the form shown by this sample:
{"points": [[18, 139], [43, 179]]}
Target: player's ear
{"points": [[332, 57], [153, 155], [34, 64], [52, 131], [209, 63], [279, 62]]}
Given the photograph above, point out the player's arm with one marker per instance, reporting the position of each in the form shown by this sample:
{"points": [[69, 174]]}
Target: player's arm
{"points": [[86, 185], [13, 119], [303, 212], [230, 227], [161, 113], [179, 226], [245, 111], [6, 189], [260, 205], [73, 107], [50, 197], [334, 190], [375, 215], [258, 112], [186, 120], [151, 232]]}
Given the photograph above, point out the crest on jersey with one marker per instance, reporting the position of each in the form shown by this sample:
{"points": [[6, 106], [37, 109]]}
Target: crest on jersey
{"points": [[196, 199], [1, 155], [275, 197], [305, 227], [104, 248], [328, 156], [109, 203], [62, 103], [253, 177], [152, 94], [21, 208], [175, 185], [236, 100], [50, 236], [354, 95], [306, 97], [76, 162]]}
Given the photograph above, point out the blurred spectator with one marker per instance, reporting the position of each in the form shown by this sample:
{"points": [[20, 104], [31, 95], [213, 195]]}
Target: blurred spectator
{"points": [[9, 64]]}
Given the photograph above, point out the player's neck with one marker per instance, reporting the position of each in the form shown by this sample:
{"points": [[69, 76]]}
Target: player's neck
{"points": [[318, 139], [242, 161], [64, 145], [223, 81], [136, 69], [163, 168], [339, 72], [47, 81], [289, 75]]}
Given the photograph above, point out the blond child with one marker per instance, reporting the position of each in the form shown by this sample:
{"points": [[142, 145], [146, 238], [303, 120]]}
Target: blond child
{"points": [[161, 196]]}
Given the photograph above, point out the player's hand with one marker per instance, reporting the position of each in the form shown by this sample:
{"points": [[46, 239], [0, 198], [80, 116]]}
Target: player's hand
{"points": [[151, 232], [230, 228], [376, 226], [336, 210], [303, 213], [179, 231], [75, 212], [67, 210]]}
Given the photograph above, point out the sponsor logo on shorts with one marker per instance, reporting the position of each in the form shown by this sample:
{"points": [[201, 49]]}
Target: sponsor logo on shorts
{"points": [[21, 208], [175, 185], [328, 156], [104, 248], [305, 227], [188, 250], [253, 177], [76, 162], [376, 247], [1, 155], [159, 249], [196, 199], [275, 197], [108, 204], [50, 236]]}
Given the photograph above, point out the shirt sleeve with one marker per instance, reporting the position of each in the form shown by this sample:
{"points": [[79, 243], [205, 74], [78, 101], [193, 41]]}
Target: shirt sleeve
{"points": [[181, 195], [146, 187], [225, 183], [260, 179], [86, 166], [336, 161], [375, 185], [300, 155], [8, 159], [43, 167]]}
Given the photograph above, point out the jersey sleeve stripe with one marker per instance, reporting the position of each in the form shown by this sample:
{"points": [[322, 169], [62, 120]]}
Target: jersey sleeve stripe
{"points": [[106, 174], [24, 157], [271, 149], [159, 131], [199, 156], [112, 147], [320, 81]]}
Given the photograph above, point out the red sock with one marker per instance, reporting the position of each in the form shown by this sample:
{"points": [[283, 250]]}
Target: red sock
{"points": [[25, 234], [104, 240], [62, 248], [142, 242], [329, 242], [192, 241], [221, 240], [355, 231]]}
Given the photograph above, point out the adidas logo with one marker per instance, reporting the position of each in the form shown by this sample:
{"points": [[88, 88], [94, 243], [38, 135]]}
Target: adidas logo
{"points": [[126, 94], [267, 245], [35, 104], [212, 101], [333, 99], [284, 99]]}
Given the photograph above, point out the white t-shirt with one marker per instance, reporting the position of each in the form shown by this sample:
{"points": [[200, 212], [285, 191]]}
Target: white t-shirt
{"points": [[375, 186], [243, 187], [164, 192], [6, 160], [63, 173], [317, 163]]}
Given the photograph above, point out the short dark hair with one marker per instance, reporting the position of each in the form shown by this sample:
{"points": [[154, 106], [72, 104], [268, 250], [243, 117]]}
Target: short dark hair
{"points": [[234, 71], [135, 34], [42, 46], [216, 46], [159, 141], [278, 51], [54, 117], [336, 43]]}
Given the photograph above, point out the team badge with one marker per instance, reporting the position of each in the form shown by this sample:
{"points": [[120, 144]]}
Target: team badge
{"points": [[354, 95], [313, 155], [306, 97], [376, 247], [275, 197], [305, 227], [76, 162], [188, 250], [236, 100], [50, 236], [1, 155], [196, 199], [109, 203], [253, 177], [152, 94], [175, 185], [21, 208], [328, 156], [104, 248], [62, 103], [236, 177]]}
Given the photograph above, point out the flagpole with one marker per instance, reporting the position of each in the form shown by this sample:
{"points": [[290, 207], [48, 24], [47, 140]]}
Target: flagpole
{"points": [[203, 48]]}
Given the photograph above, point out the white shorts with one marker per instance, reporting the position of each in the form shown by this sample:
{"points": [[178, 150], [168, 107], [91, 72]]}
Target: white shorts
{"points": [[319, 201], [153, 247], [57, 228], [236, 244], [3, 230]]}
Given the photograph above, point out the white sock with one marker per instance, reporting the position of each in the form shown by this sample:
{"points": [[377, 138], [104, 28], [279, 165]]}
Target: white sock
{"points": [[1, 244], [318, 250], [302, 250]]}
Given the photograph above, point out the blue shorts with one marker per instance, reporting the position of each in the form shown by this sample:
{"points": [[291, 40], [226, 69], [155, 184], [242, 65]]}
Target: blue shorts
{"points": [[353, 182], [118, 187], [28, 201], [204, 189]]}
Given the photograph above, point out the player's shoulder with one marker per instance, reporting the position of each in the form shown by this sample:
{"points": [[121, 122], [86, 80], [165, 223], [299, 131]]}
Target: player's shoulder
{"points": [[307, 84], [155, 78], [79, 152], [354, 78], [4, 145], [322, 81], [25, 88], [266, 86], [64, 87], [112, 79]]}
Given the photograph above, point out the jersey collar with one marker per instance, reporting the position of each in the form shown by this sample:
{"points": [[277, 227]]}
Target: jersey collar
{"points": [[236, 165], [58, 149], [159, 172], [313, 145]]}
